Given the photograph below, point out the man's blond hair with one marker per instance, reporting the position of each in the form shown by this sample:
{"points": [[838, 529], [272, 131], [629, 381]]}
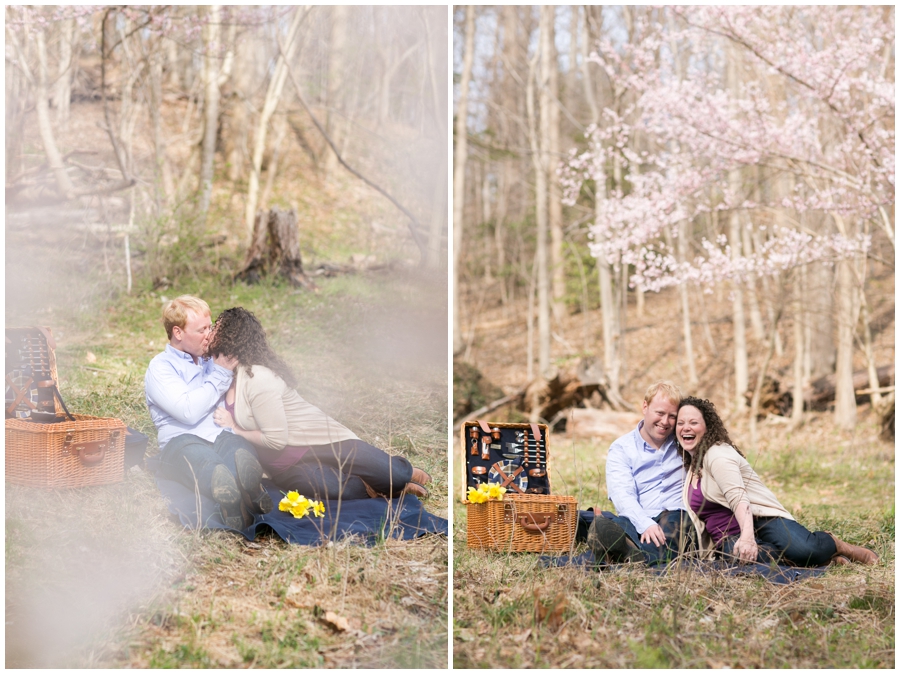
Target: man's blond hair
{"points": [[175, 311], [667, 388]]}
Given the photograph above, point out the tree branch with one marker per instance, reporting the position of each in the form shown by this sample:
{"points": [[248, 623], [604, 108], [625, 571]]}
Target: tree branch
{"points": [[413, 223]]}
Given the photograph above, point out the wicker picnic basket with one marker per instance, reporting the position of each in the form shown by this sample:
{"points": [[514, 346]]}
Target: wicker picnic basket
{"points": [[73, 451], [523, 523], [529, 518], [86, 452]]}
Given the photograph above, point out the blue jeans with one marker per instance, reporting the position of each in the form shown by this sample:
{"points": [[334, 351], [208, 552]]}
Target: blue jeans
{"points": [[782, 540], [190, 460], [678, 530], [343, 470]]}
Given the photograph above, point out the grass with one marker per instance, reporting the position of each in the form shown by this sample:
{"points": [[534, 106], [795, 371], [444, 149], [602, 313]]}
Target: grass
{"points": [[509, 611], [101, 577]]}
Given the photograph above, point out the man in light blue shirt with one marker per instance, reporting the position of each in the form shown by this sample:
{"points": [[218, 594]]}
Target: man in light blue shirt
{"points": [[644, 479], [183, 389]]}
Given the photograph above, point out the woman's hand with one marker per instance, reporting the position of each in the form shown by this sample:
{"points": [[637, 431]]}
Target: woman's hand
{"points": [[746, 550], [223, 418]]}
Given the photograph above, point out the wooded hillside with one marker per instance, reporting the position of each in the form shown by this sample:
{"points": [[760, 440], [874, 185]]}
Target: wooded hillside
{"points": [[722, 154]]}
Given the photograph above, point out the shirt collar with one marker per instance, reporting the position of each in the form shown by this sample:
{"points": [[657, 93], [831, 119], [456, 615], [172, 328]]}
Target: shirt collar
{"points": [[183, 355], [647, 447]]}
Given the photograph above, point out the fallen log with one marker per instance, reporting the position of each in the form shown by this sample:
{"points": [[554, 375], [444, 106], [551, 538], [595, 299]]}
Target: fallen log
{"points": [[820, 393]]}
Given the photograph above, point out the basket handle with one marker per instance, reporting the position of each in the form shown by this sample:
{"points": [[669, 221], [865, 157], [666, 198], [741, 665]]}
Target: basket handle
{"points": [[539, 522], [90, 453]]}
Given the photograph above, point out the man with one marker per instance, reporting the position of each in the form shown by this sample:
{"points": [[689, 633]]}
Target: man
{"points": [[182, 390], [644, 479]]}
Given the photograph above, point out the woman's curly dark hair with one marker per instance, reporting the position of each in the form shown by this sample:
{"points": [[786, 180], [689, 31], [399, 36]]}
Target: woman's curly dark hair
{"points": [[716, 434], [239, 334]]}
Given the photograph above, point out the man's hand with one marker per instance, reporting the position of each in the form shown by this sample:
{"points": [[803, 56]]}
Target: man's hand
{"points": [[228, 362], [655, 535], [745, 550]]}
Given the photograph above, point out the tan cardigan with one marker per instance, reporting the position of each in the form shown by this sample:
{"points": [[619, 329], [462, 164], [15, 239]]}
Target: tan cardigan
{"points": [[729, 480], [264, 402]]}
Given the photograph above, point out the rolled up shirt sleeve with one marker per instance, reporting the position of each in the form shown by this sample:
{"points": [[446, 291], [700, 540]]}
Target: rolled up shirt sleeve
{"points": [[622, 490]]}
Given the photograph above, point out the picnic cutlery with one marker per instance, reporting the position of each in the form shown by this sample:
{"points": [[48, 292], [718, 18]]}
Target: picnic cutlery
{"points": [[486, 448]]}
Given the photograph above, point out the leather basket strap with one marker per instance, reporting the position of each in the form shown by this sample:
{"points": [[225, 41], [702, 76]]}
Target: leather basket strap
{"points": [[484, 426], [536, 431]]}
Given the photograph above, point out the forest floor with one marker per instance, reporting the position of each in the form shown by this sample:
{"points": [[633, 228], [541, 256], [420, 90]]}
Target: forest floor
{"points": [[510, 611]]}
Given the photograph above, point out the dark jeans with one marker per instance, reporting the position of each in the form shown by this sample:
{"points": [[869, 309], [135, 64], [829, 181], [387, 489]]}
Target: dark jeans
{"points": [[190, 460], [678, 530], [327, 472], [783, 540]]}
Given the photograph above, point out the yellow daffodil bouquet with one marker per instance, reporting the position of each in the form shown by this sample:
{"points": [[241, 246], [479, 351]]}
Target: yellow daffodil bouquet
{"points": [[485, 493], [300, 506]]}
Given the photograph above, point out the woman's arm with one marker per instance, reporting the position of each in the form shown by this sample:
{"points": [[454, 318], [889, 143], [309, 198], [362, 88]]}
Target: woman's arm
{"points": [[745, 549], [223, 418]]}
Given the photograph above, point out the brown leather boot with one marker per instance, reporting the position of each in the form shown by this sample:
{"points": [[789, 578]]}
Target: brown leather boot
{"points": [[855, 553], [415, 489], [419, 476]]}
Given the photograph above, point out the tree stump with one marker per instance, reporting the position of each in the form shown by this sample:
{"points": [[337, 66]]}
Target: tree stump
{"points": [[275, 248]]}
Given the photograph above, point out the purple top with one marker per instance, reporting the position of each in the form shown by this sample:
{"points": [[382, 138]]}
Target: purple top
{"points": [[719, 520], [274, 460]]}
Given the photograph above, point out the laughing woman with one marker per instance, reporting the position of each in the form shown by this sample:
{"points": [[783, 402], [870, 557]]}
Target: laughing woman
{"points": [[735, 515], [301, 447]]}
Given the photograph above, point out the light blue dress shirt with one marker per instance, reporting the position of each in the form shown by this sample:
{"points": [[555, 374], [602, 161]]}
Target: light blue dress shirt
{"points": [[643, 481], [183, 395]]}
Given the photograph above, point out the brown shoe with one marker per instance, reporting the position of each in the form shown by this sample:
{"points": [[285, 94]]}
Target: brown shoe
{"points": [[840, 560], [416, 489], [855, 553], [420, 477]]}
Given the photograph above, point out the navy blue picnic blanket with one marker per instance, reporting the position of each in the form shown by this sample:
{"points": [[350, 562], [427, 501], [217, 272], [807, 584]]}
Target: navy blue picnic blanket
{"points": [[780, 574], [372, 519]]}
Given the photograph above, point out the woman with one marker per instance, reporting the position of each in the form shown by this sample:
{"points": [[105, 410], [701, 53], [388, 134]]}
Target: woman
{"points": [[301, 448], [733, 512]]}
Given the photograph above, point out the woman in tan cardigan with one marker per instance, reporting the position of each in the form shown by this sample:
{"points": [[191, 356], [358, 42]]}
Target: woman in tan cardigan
{"points": [[733, 512], [301, 448]]}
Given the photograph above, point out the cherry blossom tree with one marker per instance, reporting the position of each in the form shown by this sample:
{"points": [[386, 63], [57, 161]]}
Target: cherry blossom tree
{"points": [[800, 96]]}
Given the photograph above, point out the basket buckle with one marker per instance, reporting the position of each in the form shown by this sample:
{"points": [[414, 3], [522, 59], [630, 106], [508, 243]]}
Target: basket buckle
{"points": [[67, 444], [562, 512], [509, 513]]}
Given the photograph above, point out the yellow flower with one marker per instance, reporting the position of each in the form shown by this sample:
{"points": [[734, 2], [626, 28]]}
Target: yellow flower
{"points": [[299, 506], [496, 492], [476, 495]]}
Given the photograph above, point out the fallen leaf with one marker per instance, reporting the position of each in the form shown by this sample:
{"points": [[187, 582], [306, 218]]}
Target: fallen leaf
{"points": [[340, 623], [90, 357]]}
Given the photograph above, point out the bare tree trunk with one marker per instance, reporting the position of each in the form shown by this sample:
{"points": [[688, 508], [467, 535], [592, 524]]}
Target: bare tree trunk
{"points": [[273, 95], [272, 169], [54, 158], [683, 289], [844, 395], [799, 343], [164, 188], [62, 93], [741, 367], [211, 108], [539, 151], [336, 77], [459, 169], [555, 204]]}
